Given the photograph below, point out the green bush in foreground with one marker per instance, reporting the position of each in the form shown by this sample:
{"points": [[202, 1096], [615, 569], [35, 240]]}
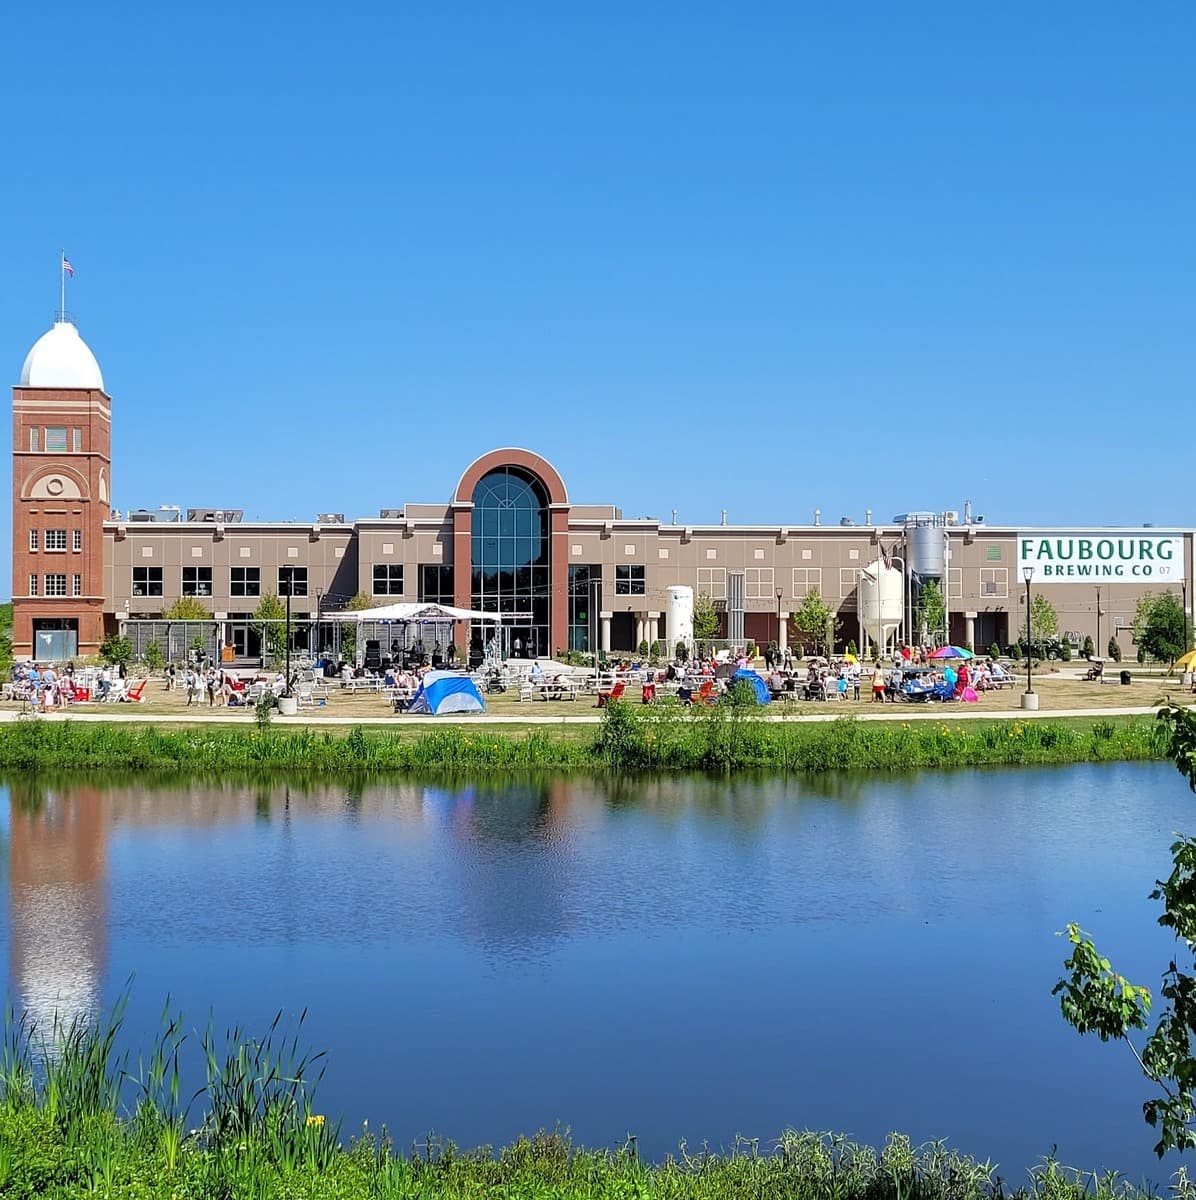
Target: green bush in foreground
{"points": [[630, 737], [75, 1120]]}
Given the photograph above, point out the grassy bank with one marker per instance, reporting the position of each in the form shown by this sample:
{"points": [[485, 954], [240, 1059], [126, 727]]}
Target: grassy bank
{"points": [[78, 1119], [629, 737]]}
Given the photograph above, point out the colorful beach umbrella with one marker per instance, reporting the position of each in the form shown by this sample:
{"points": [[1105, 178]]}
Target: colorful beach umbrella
{"points": [[1186, 662], [952, 652]]}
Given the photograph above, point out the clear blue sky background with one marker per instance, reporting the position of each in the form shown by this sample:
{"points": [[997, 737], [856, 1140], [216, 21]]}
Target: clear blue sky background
{"points": [[764, 257]]}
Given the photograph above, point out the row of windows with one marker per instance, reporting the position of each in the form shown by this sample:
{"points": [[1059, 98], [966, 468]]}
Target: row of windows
{"points": [[55, 539], [55, 585], [197, 581], [759, 585], [55, 439]]}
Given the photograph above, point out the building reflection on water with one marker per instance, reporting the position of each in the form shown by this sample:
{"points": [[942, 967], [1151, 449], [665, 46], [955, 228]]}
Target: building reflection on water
{"points": [[57, 890]]}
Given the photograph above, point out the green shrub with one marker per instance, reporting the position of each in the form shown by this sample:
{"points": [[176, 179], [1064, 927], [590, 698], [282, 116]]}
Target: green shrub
{"points": [[1089, 648], [154, 658], [994, 651], [1114, 649], [1015, 652]]}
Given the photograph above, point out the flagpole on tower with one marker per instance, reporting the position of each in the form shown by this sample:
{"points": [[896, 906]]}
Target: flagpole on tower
{"points": [[62, 272]]}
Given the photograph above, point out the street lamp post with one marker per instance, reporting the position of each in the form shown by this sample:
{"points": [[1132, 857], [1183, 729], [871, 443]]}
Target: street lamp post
{"points": [[1029, 697], [1099, 650], [780, 648]]}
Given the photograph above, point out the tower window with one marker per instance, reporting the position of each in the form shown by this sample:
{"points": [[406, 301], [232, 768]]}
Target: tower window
{"points": [[55, 439], [55, 539], [33, 585], [76, 585], [76, 440], [55, 585], [77, 539], [35, 441], [33, 539]]}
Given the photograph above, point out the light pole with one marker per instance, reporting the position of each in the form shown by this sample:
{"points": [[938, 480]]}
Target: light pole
{"points": [[1029, 698], [780, 648], [1099, 650]]}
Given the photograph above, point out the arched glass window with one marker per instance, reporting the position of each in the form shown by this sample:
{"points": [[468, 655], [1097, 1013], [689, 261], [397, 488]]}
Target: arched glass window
{"points": [[510, 557]]}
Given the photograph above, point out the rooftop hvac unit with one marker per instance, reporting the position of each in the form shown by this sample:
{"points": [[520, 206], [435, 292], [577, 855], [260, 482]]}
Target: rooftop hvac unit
{"points": [[951, 518], [143, 514], [331, 518], [391, 514], [846, 520]]}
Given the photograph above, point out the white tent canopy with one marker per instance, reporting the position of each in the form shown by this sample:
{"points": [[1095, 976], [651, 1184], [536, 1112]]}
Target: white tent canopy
{"points": [[414, 613]]}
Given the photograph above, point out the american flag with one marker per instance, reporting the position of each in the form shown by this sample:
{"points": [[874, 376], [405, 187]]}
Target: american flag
{"points": [[66, 266]]}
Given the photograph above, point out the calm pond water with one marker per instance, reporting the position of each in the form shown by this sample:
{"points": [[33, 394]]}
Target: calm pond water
{"points": [[678, 958]]}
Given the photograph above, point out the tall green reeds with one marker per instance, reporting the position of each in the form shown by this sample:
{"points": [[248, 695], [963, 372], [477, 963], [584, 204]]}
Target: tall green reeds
{"points": [[629, 737], [250, 1132]]}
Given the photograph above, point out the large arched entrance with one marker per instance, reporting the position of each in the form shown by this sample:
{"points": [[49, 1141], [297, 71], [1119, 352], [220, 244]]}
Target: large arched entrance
{"points": [[509, 558], [510, 520]]}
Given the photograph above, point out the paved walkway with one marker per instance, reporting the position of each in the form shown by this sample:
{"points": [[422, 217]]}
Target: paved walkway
{"points": [[224, 716]]}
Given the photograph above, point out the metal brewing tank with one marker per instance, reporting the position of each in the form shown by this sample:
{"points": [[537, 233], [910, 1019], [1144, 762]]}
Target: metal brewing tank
{"points": [[926, 545], [679, 616], [881, 601]]}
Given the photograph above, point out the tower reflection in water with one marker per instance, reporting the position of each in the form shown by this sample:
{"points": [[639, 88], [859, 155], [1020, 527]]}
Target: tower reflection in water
{"points": [[57, 894]]}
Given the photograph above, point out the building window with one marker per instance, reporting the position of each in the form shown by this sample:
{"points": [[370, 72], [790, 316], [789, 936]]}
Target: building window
{"points": [[388, 579], [994, 581], [76, 585], [509, 557], [55, 539], [33, 585], [806, 580], [292, 581], [629, 581], [55, 585], [56, 439], [436, 584], [77, 539], [76, 440], [245, 581], [955, 583], [35, 444], [758, 583], [849, 579], [712, 582], [993, 553], [585, 596], [147, 581], [197, 581], [33, 539]]}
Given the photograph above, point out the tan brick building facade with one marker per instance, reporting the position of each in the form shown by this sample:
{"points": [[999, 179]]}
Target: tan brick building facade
{"points": [[509, 538]]}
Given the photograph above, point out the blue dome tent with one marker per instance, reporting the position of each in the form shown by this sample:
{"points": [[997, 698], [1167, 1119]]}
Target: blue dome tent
{"points": [[757, 684], [446, 692]]}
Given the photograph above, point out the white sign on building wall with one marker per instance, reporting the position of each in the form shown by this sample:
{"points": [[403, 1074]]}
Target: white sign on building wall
{"points": [[1101, 557]]}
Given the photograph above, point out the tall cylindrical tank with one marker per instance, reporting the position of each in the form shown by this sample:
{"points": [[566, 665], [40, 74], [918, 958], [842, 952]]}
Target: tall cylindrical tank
{"points": [[881, 600], [679, 616], [925, 545]]}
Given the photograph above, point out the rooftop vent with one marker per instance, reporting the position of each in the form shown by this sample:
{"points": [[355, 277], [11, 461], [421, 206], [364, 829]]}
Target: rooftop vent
{"points": [[331, 518]]}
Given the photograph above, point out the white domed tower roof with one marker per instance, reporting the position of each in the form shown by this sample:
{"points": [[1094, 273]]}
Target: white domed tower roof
{"points": [[60, 358]]}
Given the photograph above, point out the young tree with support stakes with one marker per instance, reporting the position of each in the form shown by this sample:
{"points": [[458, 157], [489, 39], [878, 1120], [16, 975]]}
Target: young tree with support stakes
{"points": [[269, 622], [705, 618], [816, 622], [931, 618]]}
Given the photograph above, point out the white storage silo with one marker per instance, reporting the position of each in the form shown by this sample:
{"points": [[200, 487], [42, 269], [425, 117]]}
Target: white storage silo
{"points": [[679, 616], [881, 600]]}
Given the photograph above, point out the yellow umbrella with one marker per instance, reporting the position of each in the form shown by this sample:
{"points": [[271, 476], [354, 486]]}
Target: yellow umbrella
{"points": [[851, 658], [1186, 662]]}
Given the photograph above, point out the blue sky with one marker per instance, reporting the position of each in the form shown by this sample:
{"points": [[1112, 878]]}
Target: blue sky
{"points": [[764, 257]]}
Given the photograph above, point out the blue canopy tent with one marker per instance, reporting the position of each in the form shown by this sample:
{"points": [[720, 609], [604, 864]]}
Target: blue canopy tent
{"points": [[446, 692], [755, 682]]}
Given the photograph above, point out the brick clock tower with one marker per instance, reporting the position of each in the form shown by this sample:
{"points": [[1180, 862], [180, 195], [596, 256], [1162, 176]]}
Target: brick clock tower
{"points": [[61, 483]]}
